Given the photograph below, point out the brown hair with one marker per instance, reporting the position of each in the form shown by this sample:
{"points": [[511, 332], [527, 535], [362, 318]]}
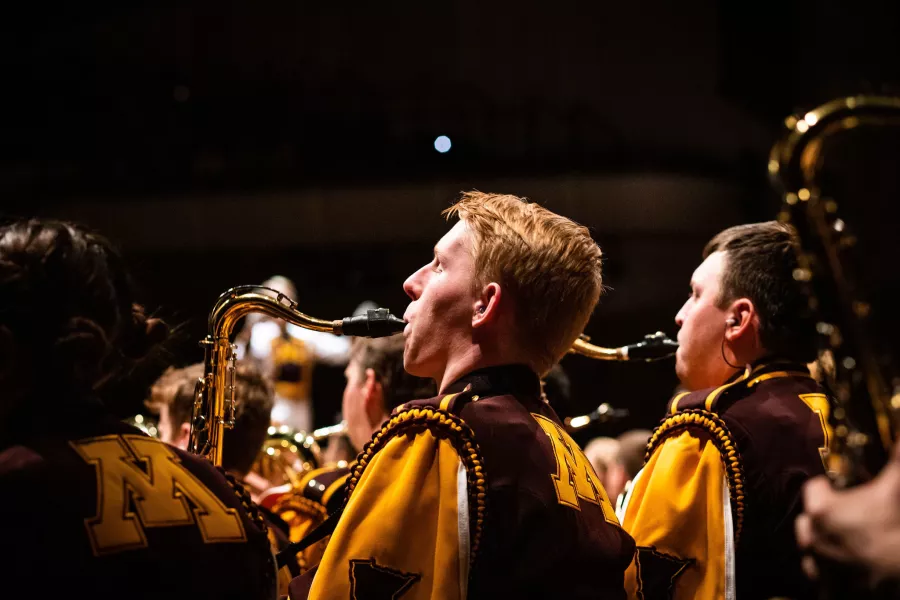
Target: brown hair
{"points": [[632, 447], [548, 264], [68, 301], [385, 357], [254, 400], [759, 264]]}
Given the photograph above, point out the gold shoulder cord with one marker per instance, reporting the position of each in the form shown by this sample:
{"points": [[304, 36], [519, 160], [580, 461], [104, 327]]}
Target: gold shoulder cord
{"points": [[713, 425], [296, 502], [442, 425]]}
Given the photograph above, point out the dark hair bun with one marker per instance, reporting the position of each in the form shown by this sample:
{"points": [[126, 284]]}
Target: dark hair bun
{"points": [[67, 299], [146, 333], [80, 352]]}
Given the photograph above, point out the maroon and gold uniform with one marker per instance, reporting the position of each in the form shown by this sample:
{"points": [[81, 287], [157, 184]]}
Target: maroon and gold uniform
{"points": [[319, 493], [93, 508], [712, 512], [510, 489]]}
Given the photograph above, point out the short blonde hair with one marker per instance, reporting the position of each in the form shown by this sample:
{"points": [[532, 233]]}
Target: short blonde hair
{"points": [[548, 264]]}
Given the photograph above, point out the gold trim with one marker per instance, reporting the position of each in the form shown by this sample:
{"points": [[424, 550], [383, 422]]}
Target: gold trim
{"points": [[675, 400], [446, 400], [724, 443], [334, 487], [714, 395], [777, 375], [310, 475], [298, 503], [442, 425], [748, 371]]}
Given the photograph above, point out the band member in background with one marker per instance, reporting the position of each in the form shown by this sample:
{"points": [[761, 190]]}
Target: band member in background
{"points": [[376, 384], [287, 354], [629, 459], [712, 511], [172, 398], [91, 506], [479, 492], [601, 452]]}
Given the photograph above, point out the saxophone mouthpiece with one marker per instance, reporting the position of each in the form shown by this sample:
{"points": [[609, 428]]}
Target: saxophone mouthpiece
{"points": [[375, 323], [655, 346]]}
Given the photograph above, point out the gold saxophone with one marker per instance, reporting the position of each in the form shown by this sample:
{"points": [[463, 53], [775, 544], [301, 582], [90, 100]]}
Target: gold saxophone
{"points": [[214, 394], [805, 166], [654, 346]]}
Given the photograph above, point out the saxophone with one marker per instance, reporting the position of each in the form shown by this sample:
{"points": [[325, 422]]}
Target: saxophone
{"points": [[214, 392], [805, 167], [654, 346]]}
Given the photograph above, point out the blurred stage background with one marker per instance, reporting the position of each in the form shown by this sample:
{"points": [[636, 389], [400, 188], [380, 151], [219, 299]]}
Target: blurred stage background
{"points": [[220, 143]]}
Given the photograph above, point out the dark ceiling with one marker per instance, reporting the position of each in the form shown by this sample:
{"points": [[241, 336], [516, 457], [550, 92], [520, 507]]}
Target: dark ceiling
{"points": [[220, 142], [201, 94]]}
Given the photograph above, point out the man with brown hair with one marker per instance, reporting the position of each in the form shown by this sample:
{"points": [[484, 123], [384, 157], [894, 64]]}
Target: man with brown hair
{"points": [[377, 383], [712, 510], [479, 492], [173, 398]]}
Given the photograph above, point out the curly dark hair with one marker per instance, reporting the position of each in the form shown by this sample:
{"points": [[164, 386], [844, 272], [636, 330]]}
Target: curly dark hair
{"points": [[67, 305]]}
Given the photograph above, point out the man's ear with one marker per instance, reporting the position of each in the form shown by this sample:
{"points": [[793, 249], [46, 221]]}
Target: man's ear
{"points": [[741, 319], [487, 307], [184, 436], [373, 394]]}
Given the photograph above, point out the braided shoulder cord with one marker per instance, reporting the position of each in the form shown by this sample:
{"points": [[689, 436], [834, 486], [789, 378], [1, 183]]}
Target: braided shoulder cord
{"points": [[442, 425], [721, 438], [244, 496], [298, 503]]}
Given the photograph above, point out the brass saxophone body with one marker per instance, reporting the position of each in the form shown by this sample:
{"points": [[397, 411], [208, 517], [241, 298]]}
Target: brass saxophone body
{"points": [[654, 346], [809, 166], [214, 393]]}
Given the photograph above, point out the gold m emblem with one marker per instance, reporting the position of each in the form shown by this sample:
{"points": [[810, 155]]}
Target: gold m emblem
{"points": [[141, 483]]}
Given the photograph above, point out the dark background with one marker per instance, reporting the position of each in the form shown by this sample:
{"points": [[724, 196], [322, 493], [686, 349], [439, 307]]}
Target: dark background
{"points": [[222, 142]]}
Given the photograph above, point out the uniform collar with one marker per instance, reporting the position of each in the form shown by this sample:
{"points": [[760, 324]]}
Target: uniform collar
{"points": [[770, 364], [495, 381]]}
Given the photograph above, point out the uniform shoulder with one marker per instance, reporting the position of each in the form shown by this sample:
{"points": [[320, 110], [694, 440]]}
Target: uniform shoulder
{"points": [[776, 404], [688, 400], [452, 403], [764, 379]]}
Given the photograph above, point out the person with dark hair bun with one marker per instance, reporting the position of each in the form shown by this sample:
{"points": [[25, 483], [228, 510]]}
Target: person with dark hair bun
{"points": [[90, 506]]}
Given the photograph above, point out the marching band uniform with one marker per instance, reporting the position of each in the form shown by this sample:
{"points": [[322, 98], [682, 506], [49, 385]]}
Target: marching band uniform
{"points": [[712, 512], [478, 493], [319, 493], [95, 508]]}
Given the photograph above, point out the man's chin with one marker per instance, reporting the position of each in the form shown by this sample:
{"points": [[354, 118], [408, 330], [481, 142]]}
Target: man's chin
{"points": [[684, 377], [410, 365], [416, 368]]}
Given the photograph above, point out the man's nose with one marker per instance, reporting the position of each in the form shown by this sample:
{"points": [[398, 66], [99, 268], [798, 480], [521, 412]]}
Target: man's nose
{"points": [[413, 285], [679, 318]]}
